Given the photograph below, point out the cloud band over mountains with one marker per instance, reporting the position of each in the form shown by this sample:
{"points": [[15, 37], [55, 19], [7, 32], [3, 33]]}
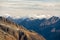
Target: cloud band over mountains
{"points": [[30, 8]]}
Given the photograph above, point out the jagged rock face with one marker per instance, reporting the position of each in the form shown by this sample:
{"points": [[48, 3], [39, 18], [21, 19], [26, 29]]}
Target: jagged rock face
{"points": [[11, 31]]}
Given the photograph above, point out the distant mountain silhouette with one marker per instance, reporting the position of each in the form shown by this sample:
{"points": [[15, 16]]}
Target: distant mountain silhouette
{"points": [[12, 31], [42, 26]]}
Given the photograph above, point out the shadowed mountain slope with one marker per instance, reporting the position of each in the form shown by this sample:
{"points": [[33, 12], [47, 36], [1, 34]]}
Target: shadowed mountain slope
{"points": [[49, 28]]}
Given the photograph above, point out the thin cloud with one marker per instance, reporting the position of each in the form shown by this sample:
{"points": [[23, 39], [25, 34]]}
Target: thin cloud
{"points": [[32, 6], [29, 8], [34, 0]]}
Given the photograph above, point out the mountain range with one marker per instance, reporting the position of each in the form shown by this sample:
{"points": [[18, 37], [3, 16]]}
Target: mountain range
{"points": [[48, 28]]}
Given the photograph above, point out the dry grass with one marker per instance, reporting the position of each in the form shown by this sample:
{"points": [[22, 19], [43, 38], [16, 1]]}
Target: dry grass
{"points": [[11, 31]]}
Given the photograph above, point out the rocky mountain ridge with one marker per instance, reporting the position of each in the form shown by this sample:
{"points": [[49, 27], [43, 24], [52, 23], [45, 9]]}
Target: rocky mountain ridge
{"points": [[11, 31]]}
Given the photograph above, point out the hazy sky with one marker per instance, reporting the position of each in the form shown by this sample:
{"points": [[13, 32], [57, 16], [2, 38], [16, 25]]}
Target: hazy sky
{"points": [[34, 8]]}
